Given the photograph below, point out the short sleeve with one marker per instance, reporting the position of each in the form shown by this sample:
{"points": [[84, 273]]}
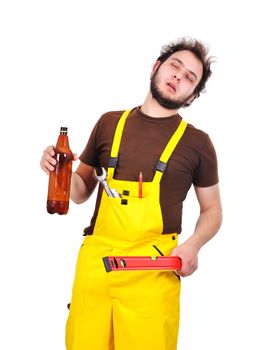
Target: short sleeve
{"points": [[89, 155], [206, 171]]}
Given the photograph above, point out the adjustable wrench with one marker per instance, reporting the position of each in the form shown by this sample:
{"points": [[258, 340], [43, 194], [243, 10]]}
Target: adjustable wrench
{"points": [[102, 179]]}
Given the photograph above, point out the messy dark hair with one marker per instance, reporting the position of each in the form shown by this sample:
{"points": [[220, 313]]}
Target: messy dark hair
{"points": [[199, 50]]}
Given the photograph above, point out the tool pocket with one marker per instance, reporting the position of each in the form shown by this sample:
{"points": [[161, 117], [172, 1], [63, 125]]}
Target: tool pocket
{"points": [[130, 217], [122, 216]]}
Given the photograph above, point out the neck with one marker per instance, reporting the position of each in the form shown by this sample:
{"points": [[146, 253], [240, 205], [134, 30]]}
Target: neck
{"points": [[153, 109]]}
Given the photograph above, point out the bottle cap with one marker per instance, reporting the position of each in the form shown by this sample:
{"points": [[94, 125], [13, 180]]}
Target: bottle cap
{"points": [[63, 130]]}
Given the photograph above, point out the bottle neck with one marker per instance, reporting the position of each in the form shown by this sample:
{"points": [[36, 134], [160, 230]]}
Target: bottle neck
{"points": [[62, 141]]}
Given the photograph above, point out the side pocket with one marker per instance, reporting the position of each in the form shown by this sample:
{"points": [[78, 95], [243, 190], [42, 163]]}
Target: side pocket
{"points": [[159, 251]]}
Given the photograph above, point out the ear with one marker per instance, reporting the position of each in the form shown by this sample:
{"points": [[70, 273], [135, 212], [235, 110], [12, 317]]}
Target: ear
{"points": [[190, 100], [155, 67]]}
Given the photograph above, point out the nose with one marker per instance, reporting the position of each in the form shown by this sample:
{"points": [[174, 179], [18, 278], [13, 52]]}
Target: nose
{"points": [[177, 76]]}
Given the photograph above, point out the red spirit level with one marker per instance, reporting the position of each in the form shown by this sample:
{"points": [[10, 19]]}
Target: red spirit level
{"points": [[113, 263]]}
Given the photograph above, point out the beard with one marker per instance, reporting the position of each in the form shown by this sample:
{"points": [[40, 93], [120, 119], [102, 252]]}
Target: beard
{"points": [[164, 101]]}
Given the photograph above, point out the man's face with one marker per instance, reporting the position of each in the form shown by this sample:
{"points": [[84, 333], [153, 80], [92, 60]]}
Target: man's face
{"points": [[173, 82]]}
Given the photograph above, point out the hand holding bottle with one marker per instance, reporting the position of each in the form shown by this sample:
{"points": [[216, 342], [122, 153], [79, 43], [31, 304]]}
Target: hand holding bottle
{"points": [[57, 162], [48, 160]]}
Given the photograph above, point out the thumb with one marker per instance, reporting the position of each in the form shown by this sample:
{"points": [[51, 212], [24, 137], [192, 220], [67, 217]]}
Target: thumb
{"points": [[175, 251]]}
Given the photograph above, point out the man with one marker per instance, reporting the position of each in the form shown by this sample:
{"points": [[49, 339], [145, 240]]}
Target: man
{"points": [[139, 310]]}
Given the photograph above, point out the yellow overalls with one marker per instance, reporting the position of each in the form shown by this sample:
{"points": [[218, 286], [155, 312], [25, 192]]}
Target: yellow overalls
{"points": [[126, 310]]}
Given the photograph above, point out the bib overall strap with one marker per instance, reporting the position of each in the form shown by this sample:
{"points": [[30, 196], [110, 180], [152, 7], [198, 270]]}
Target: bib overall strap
{"points": [[169, 149], [113, 160]]}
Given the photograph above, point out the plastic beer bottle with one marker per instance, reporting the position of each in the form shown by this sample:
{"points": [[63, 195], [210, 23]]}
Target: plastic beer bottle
{"points": [[60, 178]]}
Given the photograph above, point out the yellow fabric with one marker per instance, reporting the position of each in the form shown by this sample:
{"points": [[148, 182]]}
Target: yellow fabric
{"points": [[117, 140], [123, 310], [170, 147], [126, 310], [140, 218]]}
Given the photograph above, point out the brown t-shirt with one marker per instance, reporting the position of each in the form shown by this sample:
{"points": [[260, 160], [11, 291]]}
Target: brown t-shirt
{"points": [[143, 141]]}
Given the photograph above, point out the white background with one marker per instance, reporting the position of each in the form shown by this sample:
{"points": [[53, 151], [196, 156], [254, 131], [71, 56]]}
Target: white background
{"points": [[66, 63]]}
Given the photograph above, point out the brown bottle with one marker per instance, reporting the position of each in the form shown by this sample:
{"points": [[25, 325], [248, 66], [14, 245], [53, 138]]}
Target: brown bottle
{"points": [[60, 178]]}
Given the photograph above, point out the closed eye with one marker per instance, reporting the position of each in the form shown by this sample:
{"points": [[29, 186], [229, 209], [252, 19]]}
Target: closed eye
{"points": [[189, 78]]}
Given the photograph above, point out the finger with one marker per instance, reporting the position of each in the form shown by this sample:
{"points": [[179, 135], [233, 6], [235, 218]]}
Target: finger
{"points": [[44, 167], [47, 162], [48, 165], [50, 150], [47, 159], [46, 171], [186, 271], [75, 156], [183, 274], [175, 272], [180, 273], [175, 252]]}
